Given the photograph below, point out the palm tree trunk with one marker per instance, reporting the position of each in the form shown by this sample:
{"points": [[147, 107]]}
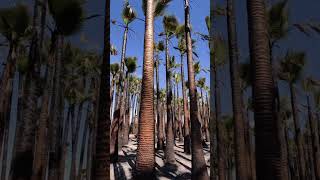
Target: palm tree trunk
{"points": [[186, 115], [212, 122], [146, 139], [315, 141], [160, 141], [298, 134], [169, 151], [120, 111], [199, 167], [268, 151], [101, 157], [241, 152], [179, 115]]}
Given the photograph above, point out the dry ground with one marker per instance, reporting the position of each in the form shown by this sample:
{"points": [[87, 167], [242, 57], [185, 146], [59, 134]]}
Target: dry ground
{"points": [[123, 169]]}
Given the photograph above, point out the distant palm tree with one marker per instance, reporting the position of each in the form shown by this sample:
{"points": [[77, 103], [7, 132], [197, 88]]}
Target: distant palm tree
{"points": [[128, 16], [160, 143], [309, 86], [268, 158], [131, 65], [291, 67], [199, 168], [13, 27], [145, 161], [170, 24]]}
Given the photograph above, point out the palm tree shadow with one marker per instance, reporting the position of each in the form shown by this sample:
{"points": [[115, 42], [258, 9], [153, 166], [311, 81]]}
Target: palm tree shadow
{"points": [[130, 159], [166, 171], [119, 172]]}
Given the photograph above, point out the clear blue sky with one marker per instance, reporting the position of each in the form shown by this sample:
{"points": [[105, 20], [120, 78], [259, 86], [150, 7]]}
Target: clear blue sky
{"points": [[135, 39]]}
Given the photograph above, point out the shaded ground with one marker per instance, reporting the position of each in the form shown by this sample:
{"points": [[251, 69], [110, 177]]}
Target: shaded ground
{"points": [[123, 169]]}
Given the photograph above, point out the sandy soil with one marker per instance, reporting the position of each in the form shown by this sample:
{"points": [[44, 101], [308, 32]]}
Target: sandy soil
{"points": [[123, 169]]}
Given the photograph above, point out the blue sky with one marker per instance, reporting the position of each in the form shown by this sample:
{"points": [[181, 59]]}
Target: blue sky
{"points": [[135, 39]]}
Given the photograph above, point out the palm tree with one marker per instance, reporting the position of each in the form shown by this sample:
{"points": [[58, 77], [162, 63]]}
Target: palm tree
{"points": [[101, 158], [13, 27], [145, 161], [62, 27], [114, 70], [131, 65], [128, 16], [187, 139], [170, 24], [268, 158], [177, 79], [290, 70], [241, 152], [159, 48], [308, 85], [199, 168]]}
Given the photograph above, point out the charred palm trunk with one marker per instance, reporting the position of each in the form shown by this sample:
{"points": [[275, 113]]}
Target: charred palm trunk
{"points": [[199, 168], [146, 139], [241, 152], [268, 151], [298, 134], [169, 151]]}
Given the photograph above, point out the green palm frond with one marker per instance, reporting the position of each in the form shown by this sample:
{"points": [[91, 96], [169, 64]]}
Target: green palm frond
{"points": [[197, 67], [114, 68], [131, 64], [160, 46], [159, 7], [68, 15], [14, 21], [170, 24], [278, 19], [201, 82], [291, 66], [208, 23], [128, 14]]}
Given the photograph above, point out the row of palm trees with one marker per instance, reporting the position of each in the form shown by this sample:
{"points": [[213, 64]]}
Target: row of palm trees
{"points": [[276, 151], [63, 110]]}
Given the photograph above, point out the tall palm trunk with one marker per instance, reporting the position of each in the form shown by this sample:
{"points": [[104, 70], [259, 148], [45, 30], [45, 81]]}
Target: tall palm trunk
{"points": [[160, 141], [179, 115], [199, 167], [314, 141], [268, 156], [101, 159], [118, 116], [241, 152], [146, 139], [219, 132], [212, 122], [298, 134], [169, 151], [186, 115]]}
